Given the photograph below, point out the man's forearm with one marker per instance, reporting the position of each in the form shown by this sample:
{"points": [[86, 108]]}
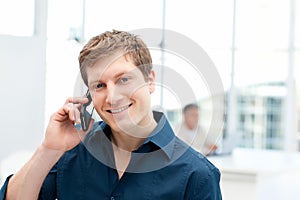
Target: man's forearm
{"points": [[26, 183]]}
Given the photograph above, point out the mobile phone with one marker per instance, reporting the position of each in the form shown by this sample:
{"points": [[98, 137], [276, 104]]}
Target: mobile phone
{"points": [[85, 116]]}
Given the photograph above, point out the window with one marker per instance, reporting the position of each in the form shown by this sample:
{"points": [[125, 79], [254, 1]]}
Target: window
{"points": [[17, 17]]}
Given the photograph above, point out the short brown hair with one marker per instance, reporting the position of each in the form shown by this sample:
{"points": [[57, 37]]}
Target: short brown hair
{"points": [[111, 42]]}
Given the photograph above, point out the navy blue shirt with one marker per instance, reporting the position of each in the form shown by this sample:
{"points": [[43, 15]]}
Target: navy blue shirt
{"points": [[164, 167]]}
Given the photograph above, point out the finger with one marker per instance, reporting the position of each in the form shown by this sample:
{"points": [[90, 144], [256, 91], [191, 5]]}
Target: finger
{"points": [[73, 110], [77, 100], [77, 115], [73, 106], [69, 110]]}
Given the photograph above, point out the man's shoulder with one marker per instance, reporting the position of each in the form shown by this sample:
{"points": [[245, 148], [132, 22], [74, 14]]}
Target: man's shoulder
{"points": [[203, 177], [198, 162], [202, 170]]}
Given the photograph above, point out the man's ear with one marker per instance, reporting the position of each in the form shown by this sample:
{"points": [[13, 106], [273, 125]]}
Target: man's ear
{"points": [[151, 79]]}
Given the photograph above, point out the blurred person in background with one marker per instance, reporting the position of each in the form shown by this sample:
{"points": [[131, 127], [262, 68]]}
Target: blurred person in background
{"points": [[190, 131]]}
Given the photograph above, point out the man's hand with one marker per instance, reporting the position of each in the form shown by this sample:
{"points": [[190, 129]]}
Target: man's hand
{"points": [[61, 134]]}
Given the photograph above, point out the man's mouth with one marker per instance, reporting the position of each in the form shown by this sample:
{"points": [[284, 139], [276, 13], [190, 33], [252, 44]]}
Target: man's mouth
{"points": [[115, 111]]}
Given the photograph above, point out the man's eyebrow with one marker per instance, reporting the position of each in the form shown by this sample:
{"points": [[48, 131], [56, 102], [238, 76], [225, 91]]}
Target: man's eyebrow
{"points": [[115, 76], [94, 81], [118, 75]]}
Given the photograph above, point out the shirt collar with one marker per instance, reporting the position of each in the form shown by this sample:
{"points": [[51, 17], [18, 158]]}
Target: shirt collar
{"points": [[162, 136]]}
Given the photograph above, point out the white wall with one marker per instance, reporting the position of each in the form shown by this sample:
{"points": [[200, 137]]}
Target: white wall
{"points": [[22, 87]]}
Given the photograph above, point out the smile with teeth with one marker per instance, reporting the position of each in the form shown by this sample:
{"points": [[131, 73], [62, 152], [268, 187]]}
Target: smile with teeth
{"points": [[115, 111]]}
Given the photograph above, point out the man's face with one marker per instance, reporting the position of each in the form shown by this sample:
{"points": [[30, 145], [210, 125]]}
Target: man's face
{"points": [[120, 94], [191, 118]]}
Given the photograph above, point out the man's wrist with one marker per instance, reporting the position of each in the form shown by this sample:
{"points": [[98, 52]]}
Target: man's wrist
{"points": [[49, 154]]}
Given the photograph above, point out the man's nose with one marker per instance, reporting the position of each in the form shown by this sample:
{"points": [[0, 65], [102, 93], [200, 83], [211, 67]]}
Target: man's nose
{"points": [[113, 94]]}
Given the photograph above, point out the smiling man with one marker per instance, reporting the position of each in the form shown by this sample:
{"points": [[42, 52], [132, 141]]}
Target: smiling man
{"points": [[132, 154]]}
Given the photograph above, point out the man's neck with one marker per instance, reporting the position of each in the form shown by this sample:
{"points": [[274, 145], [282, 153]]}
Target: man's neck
{"points": [[126, 142], [133, 139]]}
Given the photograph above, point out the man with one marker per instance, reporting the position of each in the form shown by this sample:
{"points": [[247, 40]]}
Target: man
{"points": [[190, 131], [131, 154]]}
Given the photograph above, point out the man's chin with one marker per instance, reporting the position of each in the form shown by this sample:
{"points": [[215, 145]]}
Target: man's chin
{"points": [[124, 125]]}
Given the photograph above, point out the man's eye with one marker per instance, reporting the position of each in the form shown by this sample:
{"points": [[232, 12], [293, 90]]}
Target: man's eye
{"points": [[124, 80], [100, 85]]}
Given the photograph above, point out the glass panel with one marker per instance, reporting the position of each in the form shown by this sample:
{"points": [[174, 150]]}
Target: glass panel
{"points": [[262, 35], [62, 25], [297, 23], [121, 15], [259, 25], [255, 66], [17, 17], [297, 78], [260, 111], [64, 36], [261, 63], [213, 32], [209, 25]]}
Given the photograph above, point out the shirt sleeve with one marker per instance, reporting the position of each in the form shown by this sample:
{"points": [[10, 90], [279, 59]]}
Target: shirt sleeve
{"points": [[48, 190], [4, 188], [204, 187]]}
